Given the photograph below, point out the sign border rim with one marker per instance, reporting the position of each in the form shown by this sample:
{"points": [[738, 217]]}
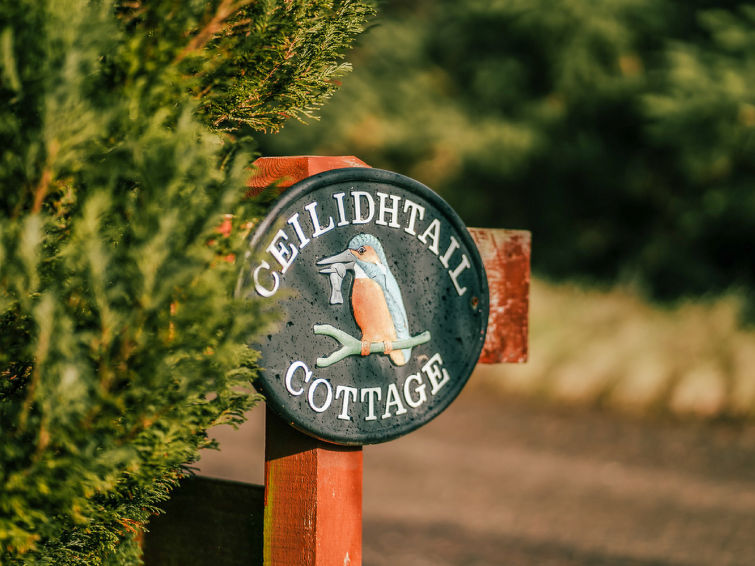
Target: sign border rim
{"points": [[375, 175]]}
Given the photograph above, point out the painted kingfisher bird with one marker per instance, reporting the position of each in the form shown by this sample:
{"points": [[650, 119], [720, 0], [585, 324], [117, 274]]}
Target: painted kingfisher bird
{"points": [[375, 296]]}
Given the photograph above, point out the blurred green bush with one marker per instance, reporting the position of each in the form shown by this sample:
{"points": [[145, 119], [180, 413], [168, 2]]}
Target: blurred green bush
{"points": [[621, 132]]}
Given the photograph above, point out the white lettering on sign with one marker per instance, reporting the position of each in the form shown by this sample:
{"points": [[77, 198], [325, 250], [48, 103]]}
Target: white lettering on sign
{"points": [[261, 289], [328, 395], [437, 374], [319, 230], [456, 272], [284, 255], [348, 392], [419, 391], [373, 402], [393, 400], [359, 207], [414, 209], [383, 209], [452, 247], [432, 232], [303, 240], [370, 393], [341, 210], [358, 196], [290, 375]]}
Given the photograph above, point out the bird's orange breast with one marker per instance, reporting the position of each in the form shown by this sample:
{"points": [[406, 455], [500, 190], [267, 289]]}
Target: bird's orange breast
{"points": [[371, 311], [372, 315]]}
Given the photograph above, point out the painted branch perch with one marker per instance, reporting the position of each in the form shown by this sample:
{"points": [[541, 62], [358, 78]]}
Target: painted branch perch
{"points": [[350, 346]]}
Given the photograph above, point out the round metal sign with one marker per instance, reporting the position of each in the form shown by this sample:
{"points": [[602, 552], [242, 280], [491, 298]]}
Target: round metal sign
{"points": [[385, 305]]}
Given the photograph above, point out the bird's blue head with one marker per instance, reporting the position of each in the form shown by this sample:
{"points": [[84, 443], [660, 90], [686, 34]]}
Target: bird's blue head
{"points": [[364, 251], [362, 245]]}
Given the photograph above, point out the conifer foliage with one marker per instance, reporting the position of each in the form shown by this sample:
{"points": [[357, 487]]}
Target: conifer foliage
{"points": [[125, 138], [620, 132]]}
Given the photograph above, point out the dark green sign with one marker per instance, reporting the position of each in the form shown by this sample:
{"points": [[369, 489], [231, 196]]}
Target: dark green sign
{"points": [[385, 301]]}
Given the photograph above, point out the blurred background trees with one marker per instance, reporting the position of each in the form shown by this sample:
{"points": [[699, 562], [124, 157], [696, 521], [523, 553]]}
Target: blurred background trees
{"points": [[621, 133]]}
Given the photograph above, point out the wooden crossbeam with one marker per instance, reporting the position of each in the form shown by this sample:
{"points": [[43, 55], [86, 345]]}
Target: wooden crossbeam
{"points": [[207, 522]]}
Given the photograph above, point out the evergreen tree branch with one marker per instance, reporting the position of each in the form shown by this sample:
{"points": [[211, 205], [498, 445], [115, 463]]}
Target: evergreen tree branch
{"points": [[113, 182], [225, 10]]}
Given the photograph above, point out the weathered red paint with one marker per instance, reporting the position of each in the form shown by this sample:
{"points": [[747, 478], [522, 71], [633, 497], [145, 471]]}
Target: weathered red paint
{"points": [[506, 255]]}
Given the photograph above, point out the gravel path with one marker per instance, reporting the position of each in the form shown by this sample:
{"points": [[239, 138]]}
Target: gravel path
{"points": [[516, 483]]}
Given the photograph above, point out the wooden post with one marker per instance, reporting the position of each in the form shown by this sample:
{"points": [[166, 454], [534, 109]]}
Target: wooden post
{"points": [[313, 489], [313, 499]]}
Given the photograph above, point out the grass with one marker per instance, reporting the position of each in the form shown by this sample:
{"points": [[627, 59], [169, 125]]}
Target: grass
{"points": [[613, 349]]}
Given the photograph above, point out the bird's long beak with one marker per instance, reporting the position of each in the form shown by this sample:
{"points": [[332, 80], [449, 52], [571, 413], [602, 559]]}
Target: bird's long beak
{"points": [[345, 257], [336, 268]]}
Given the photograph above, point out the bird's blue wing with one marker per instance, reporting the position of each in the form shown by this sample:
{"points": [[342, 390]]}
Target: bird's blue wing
{"points": [[394, 301], [396, 308]]}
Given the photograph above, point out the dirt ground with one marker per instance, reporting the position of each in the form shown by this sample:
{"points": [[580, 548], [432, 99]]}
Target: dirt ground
{"points": [[515, 482]]}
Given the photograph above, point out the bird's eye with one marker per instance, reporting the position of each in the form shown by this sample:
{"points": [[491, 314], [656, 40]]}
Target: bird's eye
{"points": [[361, 250]]}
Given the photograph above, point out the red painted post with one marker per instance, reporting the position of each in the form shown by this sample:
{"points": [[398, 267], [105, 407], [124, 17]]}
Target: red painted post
{"points": [[313, 499], [313, 489]]}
